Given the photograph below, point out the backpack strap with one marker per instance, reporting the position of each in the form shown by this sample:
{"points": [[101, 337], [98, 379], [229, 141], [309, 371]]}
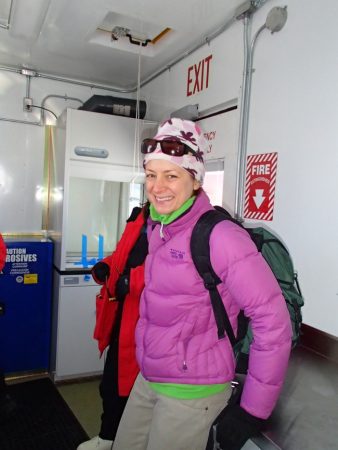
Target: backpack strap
{"points": [[200, 252]]}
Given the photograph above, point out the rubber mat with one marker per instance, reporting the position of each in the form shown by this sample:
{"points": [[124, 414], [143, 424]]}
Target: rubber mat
{"points": [[41, 420]]}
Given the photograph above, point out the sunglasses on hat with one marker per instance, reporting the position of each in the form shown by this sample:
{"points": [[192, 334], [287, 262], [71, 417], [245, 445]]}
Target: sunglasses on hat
{"points": [[172, 148]]}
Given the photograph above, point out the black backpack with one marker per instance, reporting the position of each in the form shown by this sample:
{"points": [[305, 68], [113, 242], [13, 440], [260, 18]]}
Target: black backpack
{"points": [[279, 260]]}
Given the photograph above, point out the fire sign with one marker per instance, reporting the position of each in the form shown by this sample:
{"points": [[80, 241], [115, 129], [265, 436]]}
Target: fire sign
{"points": [[260, 186]]}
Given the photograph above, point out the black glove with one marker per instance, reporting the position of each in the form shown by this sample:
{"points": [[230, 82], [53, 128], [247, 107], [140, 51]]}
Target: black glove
{"points": [[236, 427], [101, 271], [122, 286]]}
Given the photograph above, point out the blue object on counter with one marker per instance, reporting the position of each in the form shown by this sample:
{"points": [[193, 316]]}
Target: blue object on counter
{"points": [[25, 300], [85, 263], [84, 251], [100, 252]]}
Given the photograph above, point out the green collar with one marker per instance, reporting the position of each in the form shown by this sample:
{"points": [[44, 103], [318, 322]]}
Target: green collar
{"points": [[165, 219]]}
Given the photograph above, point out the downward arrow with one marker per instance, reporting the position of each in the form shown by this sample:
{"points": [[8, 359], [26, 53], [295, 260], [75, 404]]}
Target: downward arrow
{"points": [[259, 198]]}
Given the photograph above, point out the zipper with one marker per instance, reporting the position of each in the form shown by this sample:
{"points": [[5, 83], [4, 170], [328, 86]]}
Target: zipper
{"points": [[161, 231], [184, 362], [185, 334]]}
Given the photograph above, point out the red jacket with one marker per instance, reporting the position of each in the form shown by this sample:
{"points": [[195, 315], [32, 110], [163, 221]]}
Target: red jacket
{"points": [[2, 253], [106, 306]]}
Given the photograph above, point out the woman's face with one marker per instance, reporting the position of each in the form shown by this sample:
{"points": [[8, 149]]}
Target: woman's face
{"points": [[168, 186]]}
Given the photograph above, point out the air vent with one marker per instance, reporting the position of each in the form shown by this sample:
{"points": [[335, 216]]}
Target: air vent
{"points": [[127, 33]]}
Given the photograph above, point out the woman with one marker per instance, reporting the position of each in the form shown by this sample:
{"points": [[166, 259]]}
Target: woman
{"points": [[185, 370]]}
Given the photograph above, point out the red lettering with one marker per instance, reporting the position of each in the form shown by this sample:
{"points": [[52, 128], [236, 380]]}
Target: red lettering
{"points": [[200, 77], [189, 81], [197, 71], [210, 135], [207, 61]]}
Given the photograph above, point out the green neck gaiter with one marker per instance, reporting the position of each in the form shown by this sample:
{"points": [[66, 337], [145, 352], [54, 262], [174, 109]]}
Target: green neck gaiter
{"points": [[165, 219]]}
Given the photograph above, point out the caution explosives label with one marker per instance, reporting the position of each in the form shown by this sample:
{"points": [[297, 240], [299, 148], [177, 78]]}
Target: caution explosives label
{"points": [[261, 171]]}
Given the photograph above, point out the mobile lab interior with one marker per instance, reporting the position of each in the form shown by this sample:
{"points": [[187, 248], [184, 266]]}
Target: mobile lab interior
{"points": [[260, 79]]}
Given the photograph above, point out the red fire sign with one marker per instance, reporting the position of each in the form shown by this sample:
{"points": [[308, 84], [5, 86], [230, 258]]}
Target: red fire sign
{"points": [[260, 186]]}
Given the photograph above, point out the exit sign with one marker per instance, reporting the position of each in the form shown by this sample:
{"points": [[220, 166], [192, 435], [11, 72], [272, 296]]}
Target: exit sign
{"points": [[198, 76]]}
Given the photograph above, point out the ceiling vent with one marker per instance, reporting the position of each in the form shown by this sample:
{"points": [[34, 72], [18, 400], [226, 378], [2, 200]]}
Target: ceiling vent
{"points": [[119, 31]]}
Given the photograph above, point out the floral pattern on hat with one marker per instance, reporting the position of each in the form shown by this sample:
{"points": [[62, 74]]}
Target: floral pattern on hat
{"points": [[189, 134]]}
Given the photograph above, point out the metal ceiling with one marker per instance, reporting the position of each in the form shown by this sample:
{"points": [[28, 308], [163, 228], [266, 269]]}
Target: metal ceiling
{"points": [[88, 40]]}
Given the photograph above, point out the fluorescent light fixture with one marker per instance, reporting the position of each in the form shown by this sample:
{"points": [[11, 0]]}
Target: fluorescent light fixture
{"points": [[28, 17]]}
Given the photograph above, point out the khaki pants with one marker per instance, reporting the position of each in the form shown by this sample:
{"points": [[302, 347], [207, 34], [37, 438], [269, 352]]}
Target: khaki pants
{"points": [[152, 421]]}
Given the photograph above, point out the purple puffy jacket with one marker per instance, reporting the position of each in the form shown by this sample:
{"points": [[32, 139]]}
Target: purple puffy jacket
{"points": [[176, 335]]}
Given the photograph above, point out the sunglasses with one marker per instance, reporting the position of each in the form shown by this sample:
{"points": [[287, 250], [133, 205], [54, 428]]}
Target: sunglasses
{"points": [[172, 148]]}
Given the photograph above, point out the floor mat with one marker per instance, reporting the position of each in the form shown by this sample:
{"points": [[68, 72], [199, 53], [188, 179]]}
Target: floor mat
{"points": [[42, 419]]}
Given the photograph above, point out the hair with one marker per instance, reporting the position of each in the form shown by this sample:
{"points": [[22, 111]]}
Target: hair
{"points": [[145, 209]]}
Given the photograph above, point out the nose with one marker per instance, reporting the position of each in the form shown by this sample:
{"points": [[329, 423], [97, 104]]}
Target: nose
{"points": [[159, 184]]}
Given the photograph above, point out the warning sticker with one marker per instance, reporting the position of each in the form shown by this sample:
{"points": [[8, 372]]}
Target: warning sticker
{"points": [[260, 186], [30, 278], [21, 262]]}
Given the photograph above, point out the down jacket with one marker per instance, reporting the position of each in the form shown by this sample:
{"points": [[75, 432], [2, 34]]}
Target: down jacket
{"points": [[176, 335], [2, 253], [108, 307]]}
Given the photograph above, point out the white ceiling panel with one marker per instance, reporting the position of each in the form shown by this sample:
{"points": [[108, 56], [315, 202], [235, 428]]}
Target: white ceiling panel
{"points": [[73, 38]]}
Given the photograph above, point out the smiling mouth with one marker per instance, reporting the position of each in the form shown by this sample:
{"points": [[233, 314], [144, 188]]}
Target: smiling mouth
{"points": [[163, 199]]}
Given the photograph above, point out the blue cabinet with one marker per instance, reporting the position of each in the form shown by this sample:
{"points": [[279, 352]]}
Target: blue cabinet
{"points": [[25, 306]]}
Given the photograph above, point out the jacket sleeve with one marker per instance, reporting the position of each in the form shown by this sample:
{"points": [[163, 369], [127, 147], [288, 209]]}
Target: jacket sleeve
{"points": [[252, 287], [97, 268], [2, 253]]}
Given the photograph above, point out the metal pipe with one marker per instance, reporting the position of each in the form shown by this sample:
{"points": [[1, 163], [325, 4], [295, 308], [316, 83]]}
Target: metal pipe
{"points": [[253, 43], [244, 121], [10, 69], [81, 83], [28, 85], [65, 97], [26, 122], [41, 121], [241, 137]]}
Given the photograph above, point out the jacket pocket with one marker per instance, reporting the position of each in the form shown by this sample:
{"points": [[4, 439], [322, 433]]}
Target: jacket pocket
{"points": [[183, 340]]}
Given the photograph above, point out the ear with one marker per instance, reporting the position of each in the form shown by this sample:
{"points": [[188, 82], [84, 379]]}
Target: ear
{"points": [[197, 185]]}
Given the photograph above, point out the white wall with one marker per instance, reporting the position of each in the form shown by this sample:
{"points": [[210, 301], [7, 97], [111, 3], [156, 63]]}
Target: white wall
{"points": [[294, 110], [22, 146]]}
